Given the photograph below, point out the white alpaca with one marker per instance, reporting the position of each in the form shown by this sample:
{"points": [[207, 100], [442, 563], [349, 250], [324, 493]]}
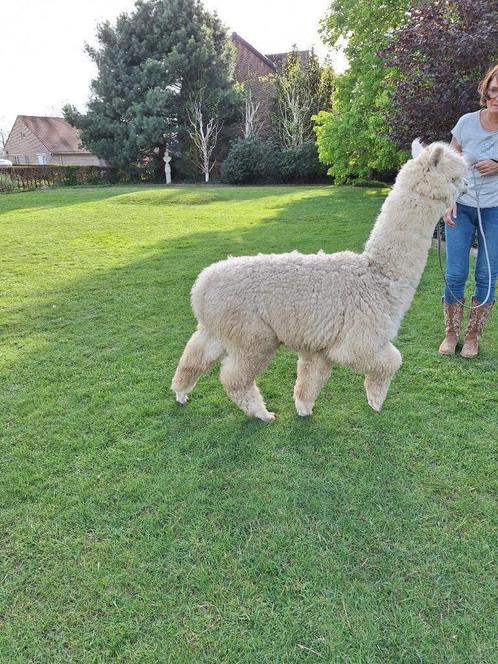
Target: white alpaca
{"points": [[340, 308]]}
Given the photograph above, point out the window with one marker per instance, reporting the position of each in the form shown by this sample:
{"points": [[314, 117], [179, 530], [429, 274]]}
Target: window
{"points": [[42, 159]]}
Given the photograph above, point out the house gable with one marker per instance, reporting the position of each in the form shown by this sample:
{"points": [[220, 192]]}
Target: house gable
{"points": [[257, 72], [250, 64], [22, 146], [47, 140]]}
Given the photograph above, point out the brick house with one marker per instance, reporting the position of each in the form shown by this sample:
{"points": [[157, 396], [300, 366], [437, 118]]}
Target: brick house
{"points": [[47, 140], [279, 59], [258, 73]]}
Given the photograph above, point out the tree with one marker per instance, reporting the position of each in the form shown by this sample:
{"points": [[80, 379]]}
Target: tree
{"points": [[302, 90], [439, 55], [293, 111], [203, 128], [251, 114], [150, 63], [3, 139], [353, 138]]}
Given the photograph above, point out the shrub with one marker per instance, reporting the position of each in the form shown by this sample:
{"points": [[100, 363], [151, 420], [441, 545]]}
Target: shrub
{"points": [[93, 175], [7, 184], [70, 176], [244, 163], [32, 177], [364, 182], [251, 161], [302, 166]]}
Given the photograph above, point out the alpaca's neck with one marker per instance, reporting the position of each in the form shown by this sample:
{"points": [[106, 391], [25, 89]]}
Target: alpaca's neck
{"points": [[399, 244]]}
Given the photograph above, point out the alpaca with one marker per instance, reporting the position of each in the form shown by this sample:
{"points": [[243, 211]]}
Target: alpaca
{"points": [[342, 308]]}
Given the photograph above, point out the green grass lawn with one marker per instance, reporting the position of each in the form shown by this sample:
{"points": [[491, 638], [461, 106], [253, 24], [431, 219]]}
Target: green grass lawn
{"points": [[135, 530]]}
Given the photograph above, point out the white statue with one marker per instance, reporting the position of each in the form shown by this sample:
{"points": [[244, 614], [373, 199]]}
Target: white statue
{"points": [[167, 167]]}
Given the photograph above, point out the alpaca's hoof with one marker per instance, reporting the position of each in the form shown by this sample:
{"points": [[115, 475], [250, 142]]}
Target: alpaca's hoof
{"points": [[303, 409], [375, 404], [376, 392], [181, 397], [266, 417]]}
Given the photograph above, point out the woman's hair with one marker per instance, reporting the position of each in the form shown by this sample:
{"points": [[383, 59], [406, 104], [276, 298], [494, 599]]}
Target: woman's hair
{"points": [[484, 84]]}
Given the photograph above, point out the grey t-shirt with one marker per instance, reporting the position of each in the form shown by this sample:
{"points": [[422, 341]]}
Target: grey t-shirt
{"points": [[477, 144]]}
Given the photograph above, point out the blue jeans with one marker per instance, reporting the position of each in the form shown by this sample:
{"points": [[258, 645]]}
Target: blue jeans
{"points": [[458, 243]]}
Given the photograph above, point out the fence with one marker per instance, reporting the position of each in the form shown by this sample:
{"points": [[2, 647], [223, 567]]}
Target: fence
{"points": [[34, 177]]}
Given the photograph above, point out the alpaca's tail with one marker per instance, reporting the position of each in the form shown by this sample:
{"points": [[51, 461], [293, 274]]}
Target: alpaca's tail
{"points": [[201, 351]]}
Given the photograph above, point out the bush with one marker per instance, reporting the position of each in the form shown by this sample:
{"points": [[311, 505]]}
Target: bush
{"points": [[251, 161], [7, 184], [364, 182], [94, 175], [70, 176], [302, 166], [271, 163], [245, 162], [33, 177]]}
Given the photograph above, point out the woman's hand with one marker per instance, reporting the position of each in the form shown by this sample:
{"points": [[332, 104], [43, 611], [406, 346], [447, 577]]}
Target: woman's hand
{"points": [[486, 167], [450, 215]]}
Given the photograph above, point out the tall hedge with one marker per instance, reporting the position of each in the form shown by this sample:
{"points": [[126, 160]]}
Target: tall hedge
{"points": [[252, 161]]}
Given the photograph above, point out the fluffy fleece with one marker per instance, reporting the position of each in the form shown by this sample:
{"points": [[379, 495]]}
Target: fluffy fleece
{"points": [[340, 308]]}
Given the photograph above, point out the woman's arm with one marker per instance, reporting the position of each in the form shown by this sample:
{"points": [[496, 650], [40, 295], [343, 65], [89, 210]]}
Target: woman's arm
{"points": [[451, 212], [455, 145]]}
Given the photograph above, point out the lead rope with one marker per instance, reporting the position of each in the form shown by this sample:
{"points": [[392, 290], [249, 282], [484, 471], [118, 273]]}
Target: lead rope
{"points": [[477, 306]]}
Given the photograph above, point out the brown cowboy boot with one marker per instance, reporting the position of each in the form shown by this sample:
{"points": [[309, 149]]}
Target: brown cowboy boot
{"points": [[452, 323], [477, 320]]}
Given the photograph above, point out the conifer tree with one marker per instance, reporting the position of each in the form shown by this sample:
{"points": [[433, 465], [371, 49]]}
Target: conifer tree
{"points": [[150, 64]]}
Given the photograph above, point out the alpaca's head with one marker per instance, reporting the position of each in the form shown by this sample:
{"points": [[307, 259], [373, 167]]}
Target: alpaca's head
{"points": [[436, 172]]}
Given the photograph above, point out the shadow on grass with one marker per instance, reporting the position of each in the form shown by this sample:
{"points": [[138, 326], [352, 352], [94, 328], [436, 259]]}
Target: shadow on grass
{"points": [[45, 199]]}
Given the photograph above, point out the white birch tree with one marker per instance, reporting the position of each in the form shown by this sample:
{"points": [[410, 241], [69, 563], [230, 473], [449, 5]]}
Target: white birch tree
{"points": [[304, 88], [294, 107], [203, 127], [252, 120], [3, 140]]}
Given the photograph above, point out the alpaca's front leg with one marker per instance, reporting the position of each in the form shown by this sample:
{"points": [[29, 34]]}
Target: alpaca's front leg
{"points": [[313, 371], [379, 374]]}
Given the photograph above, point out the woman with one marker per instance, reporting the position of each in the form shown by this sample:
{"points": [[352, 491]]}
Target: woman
{"points": [[475, 135]]}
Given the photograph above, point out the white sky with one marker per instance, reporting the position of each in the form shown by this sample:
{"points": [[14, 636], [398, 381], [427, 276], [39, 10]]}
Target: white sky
{"points": [[43, 64]]}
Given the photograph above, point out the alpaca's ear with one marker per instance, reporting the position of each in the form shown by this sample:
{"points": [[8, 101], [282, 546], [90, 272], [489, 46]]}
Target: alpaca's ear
{"points": [[436, 155], [417, 147]]}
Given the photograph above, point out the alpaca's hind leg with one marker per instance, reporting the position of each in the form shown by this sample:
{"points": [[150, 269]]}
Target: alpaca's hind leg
{"points": [[201, 351], [238, 371], [379, 374], [313, 371]]}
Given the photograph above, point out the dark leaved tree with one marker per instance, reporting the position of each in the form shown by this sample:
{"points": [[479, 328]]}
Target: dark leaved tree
{"points": [[438, 57]]}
